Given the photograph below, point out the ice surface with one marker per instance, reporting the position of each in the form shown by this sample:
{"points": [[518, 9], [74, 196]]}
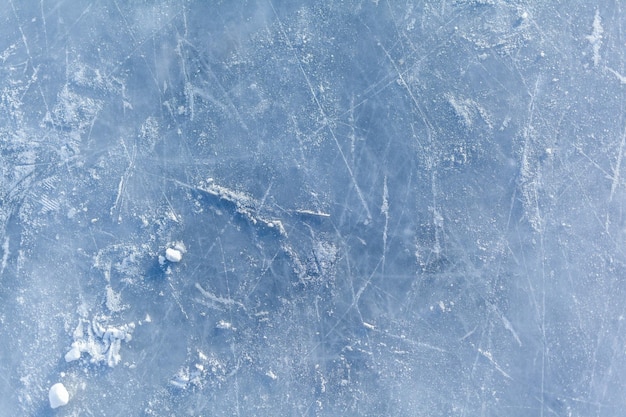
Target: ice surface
{"points": [[313, 208]]}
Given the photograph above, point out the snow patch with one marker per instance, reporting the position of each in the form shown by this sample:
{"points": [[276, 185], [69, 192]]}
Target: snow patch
{"points": [[224, 325], [203, 370], [114, 300], [99, 340]]}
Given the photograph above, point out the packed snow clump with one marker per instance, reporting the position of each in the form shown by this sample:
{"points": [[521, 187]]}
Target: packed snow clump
{"points": [[58, 395], [174, 253]]}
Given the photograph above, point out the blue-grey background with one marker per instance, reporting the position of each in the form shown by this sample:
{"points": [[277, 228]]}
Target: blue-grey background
{"points": [[449, 176]]}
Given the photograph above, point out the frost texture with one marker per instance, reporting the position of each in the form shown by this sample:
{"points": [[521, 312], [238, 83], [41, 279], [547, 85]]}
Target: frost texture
{"points": [[313, 208]]}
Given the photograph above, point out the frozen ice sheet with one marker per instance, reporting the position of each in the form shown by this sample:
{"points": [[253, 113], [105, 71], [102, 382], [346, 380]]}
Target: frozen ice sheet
{"points": [[312, 208]]}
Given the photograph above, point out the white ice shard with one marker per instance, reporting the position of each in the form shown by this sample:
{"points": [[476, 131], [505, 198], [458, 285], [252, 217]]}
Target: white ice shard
{"points": [[73, 354], [58, 395], [173, 255]]}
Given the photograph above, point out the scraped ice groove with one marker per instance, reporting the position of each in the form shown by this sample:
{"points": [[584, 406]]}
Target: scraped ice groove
{"points": [[530, 171], [216, 300], [244, 204], [595, 38], [249, 208], [618, 166], [323, 254]]}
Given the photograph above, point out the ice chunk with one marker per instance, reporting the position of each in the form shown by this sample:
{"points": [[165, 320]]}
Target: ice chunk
{"points": [[175, 251], [73, 354], [58, 395], [173, 255]]}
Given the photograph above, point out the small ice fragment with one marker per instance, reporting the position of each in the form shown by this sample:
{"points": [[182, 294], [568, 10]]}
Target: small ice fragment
{"points": [[180, 246], [73, 354], [58, 395], [224, 325], [173, 255]]}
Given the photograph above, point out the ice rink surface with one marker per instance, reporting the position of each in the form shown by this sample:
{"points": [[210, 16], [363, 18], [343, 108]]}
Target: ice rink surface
{"points": [[312, 208]]}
